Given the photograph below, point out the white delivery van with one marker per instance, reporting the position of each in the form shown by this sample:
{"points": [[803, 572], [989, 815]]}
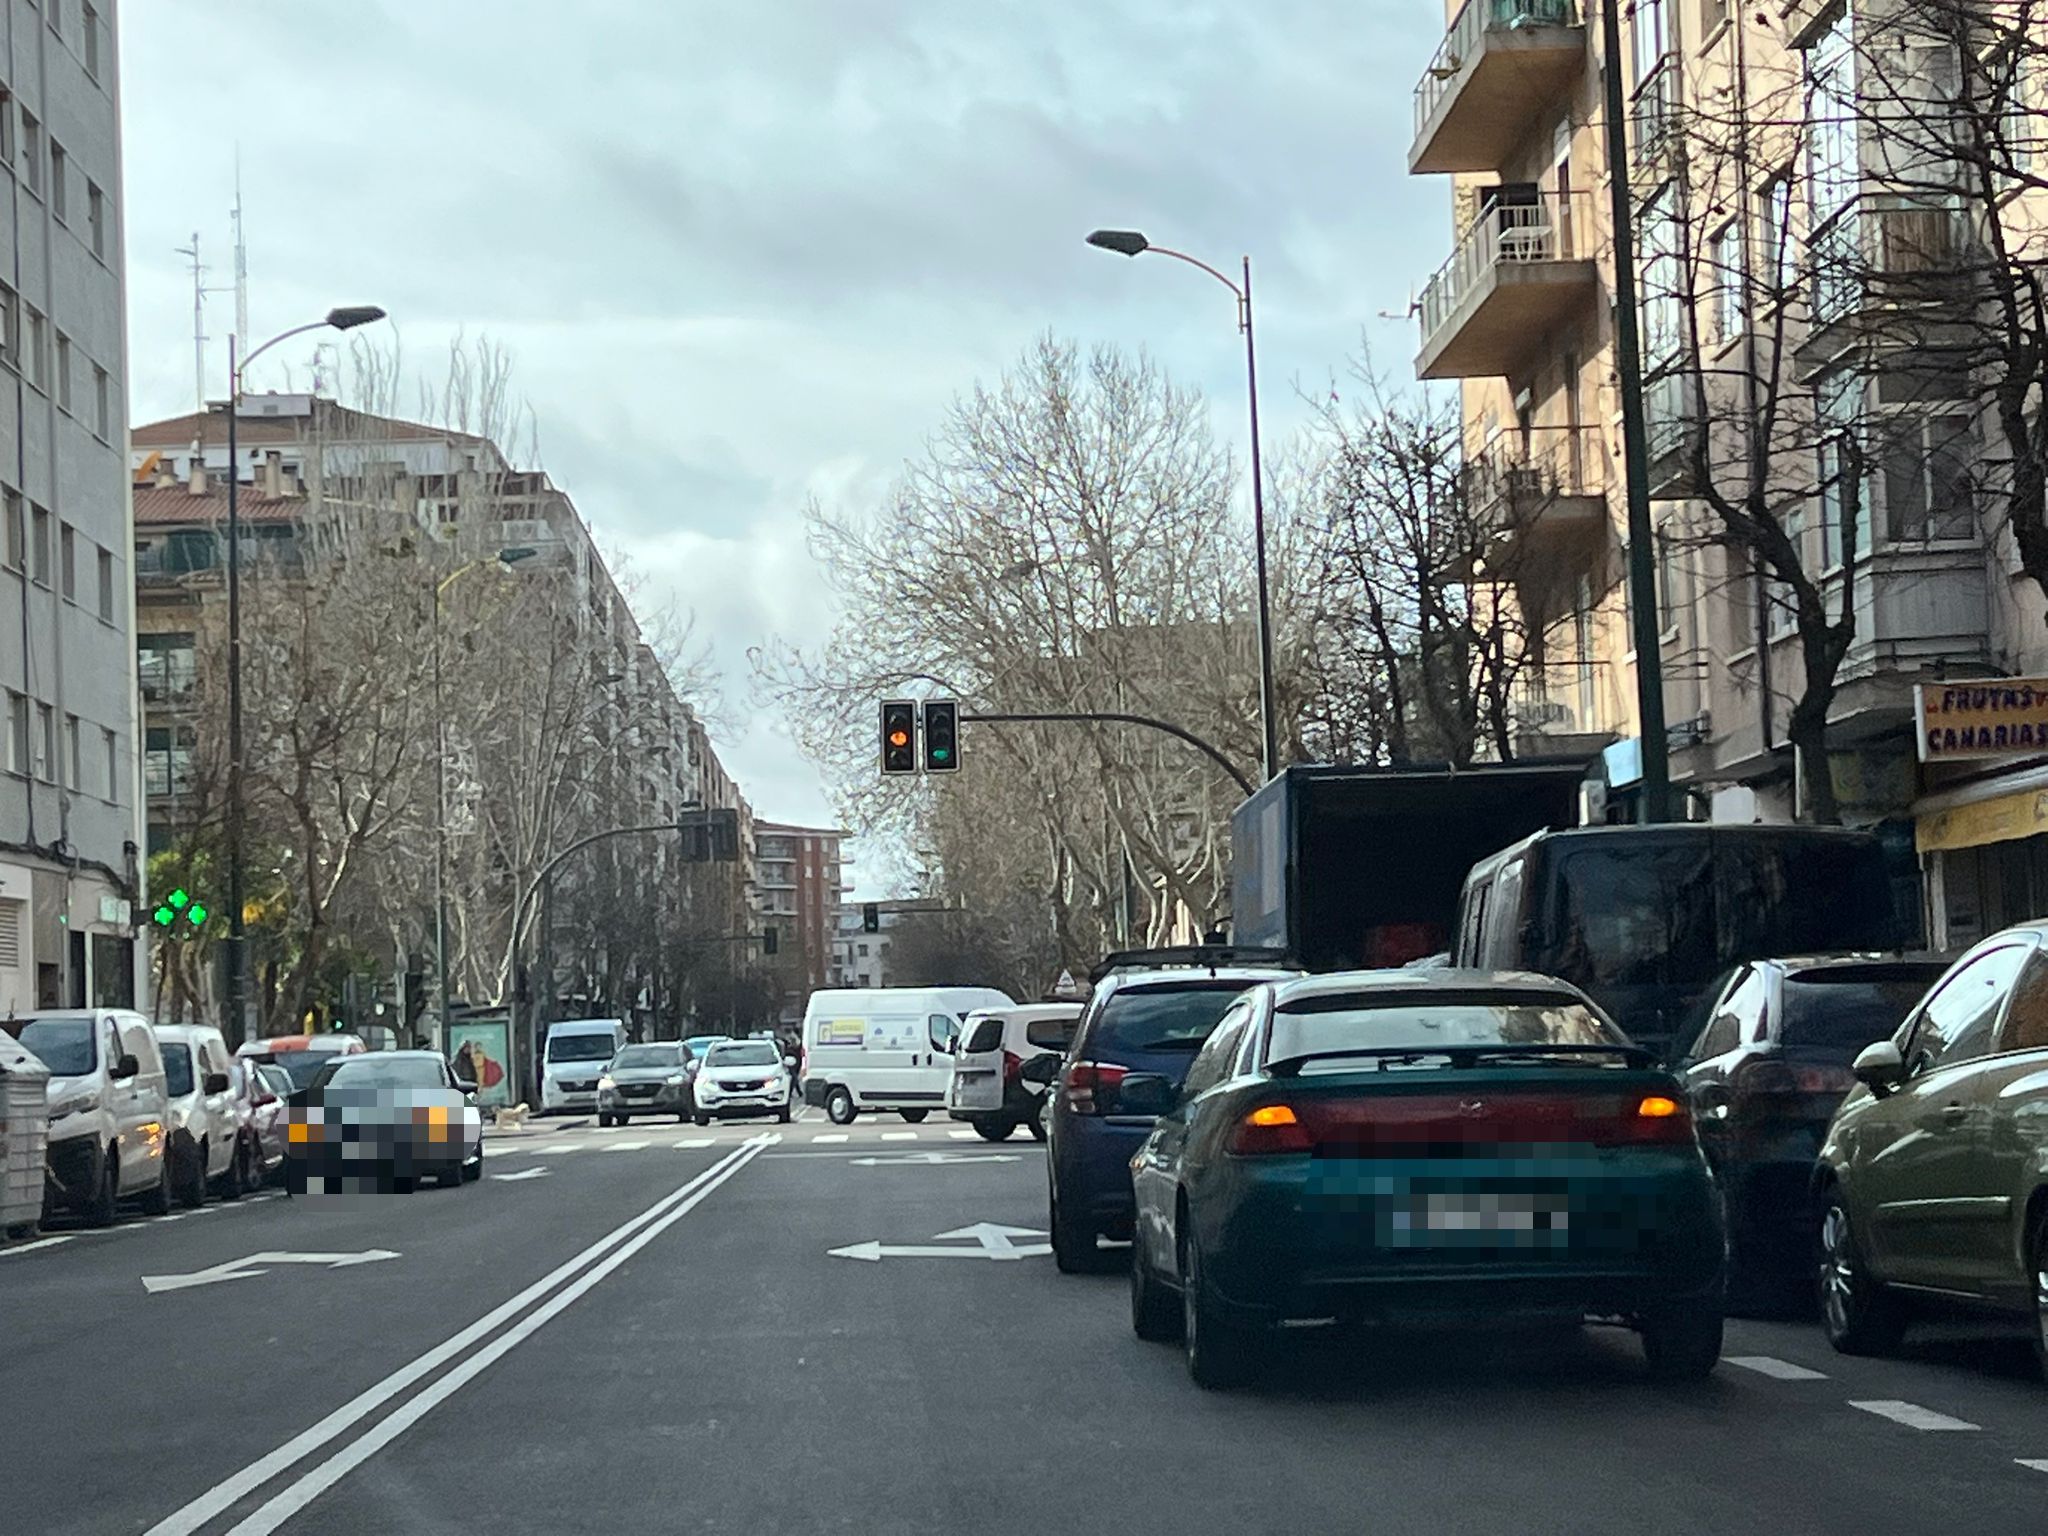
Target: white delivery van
{"points": [[574, 1059], [108, 1109], [885, 1047]]}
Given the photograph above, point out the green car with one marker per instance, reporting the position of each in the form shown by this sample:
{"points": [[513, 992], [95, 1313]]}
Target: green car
{"points": [[1423, 1146], [1932, 1183]]}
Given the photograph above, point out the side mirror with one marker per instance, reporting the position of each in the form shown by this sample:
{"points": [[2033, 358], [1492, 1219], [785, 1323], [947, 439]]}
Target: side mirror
{"points": [[126, 1067], [1040, 1070], [216, 1082], [1879, 1067], [1145, 1093]]}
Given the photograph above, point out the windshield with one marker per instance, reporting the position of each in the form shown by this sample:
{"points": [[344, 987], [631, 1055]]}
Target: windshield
{"points": [[699, 1044], [177, 1069], [1346, 1022], [1840, 1012], [748, 1053], [383, 1070], [647, 1056], [1176, 1018], [581, 1047], [63, 1045], [304, 1066]]}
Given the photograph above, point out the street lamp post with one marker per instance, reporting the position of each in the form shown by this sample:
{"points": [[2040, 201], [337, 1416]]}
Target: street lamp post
{"points": [[346, 318], [1128, 242], [505, 557]]}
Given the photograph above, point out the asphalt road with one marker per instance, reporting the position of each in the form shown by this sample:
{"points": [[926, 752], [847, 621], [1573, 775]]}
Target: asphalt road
{"points": [[650, 1331]]}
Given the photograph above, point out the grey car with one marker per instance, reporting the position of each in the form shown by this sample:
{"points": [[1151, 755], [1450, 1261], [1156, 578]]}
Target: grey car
{"points": [[646, 1080]]}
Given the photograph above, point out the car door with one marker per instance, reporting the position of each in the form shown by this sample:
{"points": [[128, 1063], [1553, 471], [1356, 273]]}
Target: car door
{"points": [[143, 1107], [941, 1040], [1916, 1168], [887, 1069], [1157, 1172], [273, 1086], [978, 1068], [1709, 1061], [2011, 1087], [220, 1105]]}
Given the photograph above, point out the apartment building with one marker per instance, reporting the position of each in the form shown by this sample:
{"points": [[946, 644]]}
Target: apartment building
{"points": [[70, 871], [1757, 157], [799, 873]]}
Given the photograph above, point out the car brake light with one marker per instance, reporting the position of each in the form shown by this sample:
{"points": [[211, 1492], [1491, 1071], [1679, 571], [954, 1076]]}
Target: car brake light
{"points": [[1090, 1084], [1767, 1077], [1012, 1065], [1656, 1106], [1269, 1129], [1658, 1120]]}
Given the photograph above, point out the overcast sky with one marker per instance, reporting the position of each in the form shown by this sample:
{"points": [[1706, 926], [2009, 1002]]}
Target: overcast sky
{"points": [[744, 251]]}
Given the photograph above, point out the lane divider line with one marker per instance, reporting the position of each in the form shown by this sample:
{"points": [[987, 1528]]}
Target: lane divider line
{"points": [[2031, 1465], [828, 1138], [1912, 1415], [296, 1496], [224, 1495], [692, 1143], [1776, 1369], [899, 1135], [629, 1146]]}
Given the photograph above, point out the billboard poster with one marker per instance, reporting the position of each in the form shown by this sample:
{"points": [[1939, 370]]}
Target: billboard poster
{"points": [[481, 1050]]}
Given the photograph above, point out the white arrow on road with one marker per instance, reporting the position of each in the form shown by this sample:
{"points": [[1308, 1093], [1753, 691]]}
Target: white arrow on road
{"points": [[930, 1157], [247, 1269], [990, 1242], [524, 1173]]}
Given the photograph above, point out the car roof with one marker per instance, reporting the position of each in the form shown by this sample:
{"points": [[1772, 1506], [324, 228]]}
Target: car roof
{"points": [[1028, 1013], [71, 1013], [1447, 980], [186, 1032], [1862, 961], [1169, 978], [584, 1026], [284, 1045]]}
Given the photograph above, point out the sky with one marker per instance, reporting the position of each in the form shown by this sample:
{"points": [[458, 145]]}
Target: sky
{"points": [[743, 253]]}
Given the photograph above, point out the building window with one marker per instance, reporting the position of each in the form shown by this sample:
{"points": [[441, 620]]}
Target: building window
{"points": [[102, 403], [63, 371], [38, 349], [60, 164], [74, 756], [55, 12], [1832, 170], [32, 152], [1774, 245], [112, 744], [1729, 281], [10, 326], [1925, 468], [167, 761], [16, 531], [46, 743], [96, 218], [89, 38], [7, 126], [1662, 304], [17, 733], [106, 558], [67, 562], [39, 544]]}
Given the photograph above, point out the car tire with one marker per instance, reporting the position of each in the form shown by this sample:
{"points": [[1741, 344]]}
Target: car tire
{"points": [[235, 1180], [913, 1116], [99, 1210], [604, 1122], [2037, 1270], [471, 1172], [404, 1184], [192, 1179], [992, 1127], [1220, 1355], [1074, 1250], [839, 1106], [1682, 1343], [1037, 1121], [1155, 1312], [782, 1115], [1856, 1312], [157, 1201], [702, 1120]]}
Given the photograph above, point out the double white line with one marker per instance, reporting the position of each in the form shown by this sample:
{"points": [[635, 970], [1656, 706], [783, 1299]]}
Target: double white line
{"points": [[587, 1269]]}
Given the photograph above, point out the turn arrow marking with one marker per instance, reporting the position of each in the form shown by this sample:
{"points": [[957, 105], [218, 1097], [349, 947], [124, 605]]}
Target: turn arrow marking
{"points": [[246, 1269], [991, 1241], [928, 1158]]}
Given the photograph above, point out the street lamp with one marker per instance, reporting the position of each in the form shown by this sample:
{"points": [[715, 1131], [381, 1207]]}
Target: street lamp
{"points": [[345, 318], [504, 557], [1128, 242]]}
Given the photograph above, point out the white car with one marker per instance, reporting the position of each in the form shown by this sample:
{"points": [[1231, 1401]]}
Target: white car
{"points": [[202, 1117], [574, 1058], [990, 1091], [107, 1110], [885, 1047], [743, 1077]]}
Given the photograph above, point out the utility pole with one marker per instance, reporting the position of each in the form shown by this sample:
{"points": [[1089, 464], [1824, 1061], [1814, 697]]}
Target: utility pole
{"points": [[1635, 451]]}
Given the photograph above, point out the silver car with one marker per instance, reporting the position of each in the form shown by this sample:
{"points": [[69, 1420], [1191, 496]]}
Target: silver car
{"points": [[645, 1080]]}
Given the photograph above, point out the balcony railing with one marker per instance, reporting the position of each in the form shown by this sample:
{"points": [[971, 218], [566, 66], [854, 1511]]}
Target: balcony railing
{"points": [[1509, 243], [1467, 35]]}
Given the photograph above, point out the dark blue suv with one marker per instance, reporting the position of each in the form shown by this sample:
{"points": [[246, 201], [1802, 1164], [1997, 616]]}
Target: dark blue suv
{"points": [[1147, 1015]]}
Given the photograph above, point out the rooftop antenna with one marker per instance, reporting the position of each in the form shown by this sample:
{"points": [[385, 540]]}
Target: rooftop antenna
{"points": [[241, 256], [199, 293]]}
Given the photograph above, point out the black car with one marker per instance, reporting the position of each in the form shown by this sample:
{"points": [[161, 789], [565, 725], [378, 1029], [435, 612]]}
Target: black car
{"points": [[1765, 1072]]}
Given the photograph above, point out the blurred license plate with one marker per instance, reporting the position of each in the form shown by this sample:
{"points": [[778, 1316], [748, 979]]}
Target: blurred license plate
{"points": [[1521, 1219]]}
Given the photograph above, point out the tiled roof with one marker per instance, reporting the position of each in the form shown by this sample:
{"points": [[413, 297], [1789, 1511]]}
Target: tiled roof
{"points": [[338, 421], [176, 506]]}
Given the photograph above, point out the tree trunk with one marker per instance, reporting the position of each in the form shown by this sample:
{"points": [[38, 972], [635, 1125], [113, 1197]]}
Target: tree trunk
{"points": [[1808, 733]]}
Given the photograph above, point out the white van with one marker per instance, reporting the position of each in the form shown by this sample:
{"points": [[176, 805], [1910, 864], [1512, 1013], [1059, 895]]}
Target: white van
{"points": [[990, 1091], [108, 1138], [885, 1047], [204, 1123], [574, 1059]]}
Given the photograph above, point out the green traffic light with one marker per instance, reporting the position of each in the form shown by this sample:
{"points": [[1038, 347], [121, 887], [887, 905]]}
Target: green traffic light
{"points": [[164, 916], [195, 915], [178, 899]]}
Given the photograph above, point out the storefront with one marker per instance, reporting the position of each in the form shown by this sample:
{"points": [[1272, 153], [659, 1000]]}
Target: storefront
{"points": [[1984, 850]]}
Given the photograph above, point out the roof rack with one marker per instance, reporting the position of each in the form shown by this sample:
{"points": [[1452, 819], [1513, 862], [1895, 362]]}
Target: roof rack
{"points": [[1203, 956]]}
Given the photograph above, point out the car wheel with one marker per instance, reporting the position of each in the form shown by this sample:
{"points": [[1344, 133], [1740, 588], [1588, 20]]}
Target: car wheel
{"points": [[157, 1201], [913, 1116], [1037, 1120], [235, 1180], [1219, 1355], [992, 1127], [702, 1120], [1856, 1312], [473, 1171], [403, 1184], [1074, 1251], [99, 1210], [782, 1114], [839, 1106], [1155, 1314], [1682, 1343], [192, 1181], [2037, 1266]]}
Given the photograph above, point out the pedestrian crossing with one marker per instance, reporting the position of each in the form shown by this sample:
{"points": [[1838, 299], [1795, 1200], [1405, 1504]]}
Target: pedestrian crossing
{"points": [[821, 1135]]}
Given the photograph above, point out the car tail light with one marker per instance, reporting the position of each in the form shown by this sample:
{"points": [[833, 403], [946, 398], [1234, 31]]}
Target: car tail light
{"points": [[1090, 1084], [1768, 1077], [1435, 1124], [1271, 1129], [1012, 1065], [1656, 1120]]}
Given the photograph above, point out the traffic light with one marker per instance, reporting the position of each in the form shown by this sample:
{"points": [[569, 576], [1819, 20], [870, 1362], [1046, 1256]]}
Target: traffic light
{"points": [[941, 736], [415, 998], [770, 938], [899, 736], [179, 913], [870, 918]]}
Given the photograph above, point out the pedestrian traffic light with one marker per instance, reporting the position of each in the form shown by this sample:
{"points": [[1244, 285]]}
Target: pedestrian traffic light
{"points": [[179, 913], [769, 939], [870, 918], [899, 736], [415, 997], [941, 736]]}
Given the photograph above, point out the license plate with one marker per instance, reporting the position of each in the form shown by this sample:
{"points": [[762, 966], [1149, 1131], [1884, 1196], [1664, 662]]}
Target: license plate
{"points": [[1508, 1219]]}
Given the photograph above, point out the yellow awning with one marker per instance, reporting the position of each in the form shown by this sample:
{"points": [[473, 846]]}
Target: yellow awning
{"points": [[2000, 820]]}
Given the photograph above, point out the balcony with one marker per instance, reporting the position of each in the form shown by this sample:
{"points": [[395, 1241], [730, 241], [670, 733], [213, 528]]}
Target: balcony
{"points": [[1541, 501], [1523, 270], [1554, 710], [1501, 65]]}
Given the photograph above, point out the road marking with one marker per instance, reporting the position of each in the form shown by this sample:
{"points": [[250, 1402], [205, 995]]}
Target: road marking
{"points": [[1777, 1370], [225, 1495], [174, 1216], [42, 1242], [629, 1146], [245, 1269], [991, 1242], [524, 1173], [562, 1146], [2031, 1466], [926, 1159], [827, 1140], [963, 1135], [692, 1143], [1912, 1415], [899, 1135]]}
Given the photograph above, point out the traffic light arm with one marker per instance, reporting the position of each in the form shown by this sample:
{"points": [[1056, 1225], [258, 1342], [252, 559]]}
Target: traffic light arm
{"points": [[1095, 717]]}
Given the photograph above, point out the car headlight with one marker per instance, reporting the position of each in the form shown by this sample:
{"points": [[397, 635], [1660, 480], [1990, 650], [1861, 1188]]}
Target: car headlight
{"points": [[676, 1080], [77, 1104], [605, 1081]]}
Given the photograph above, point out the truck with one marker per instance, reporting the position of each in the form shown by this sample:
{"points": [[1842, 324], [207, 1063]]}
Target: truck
{"points": [[1361, 868]]}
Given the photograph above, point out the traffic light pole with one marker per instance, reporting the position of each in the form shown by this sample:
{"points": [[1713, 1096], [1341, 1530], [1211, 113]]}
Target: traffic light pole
{"points": [[1100, 717]]}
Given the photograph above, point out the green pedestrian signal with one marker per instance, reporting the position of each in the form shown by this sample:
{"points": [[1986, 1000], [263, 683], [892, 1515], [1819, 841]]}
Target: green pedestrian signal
{"points": [[179, 907]]}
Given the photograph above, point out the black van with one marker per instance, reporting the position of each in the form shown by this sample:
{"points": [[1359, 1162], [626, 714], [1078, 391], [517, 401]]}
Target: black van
{"points": [[1645, 919]]}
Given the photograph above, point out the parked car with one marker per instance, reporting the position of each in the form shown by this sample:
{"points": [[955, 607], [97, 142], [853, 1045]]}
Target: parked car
{"points": [[742, 1078], [1141, 1018], [389, 1119], [574, 1059], [886, 1048], [1932, 1184], [1420, 1145], [989, 1089], [203, 1124], [1764, 1075], [302, 1056], [645, 1080], [260, 1090], [107, 1109]]}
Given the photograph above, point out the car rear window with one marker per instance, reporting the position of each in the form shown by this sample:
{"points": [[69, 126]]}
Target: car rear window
{"points": [[379, 1070], [582, 1047], [177, 1070], [1362, 1022], [985, 1035], [1050, 1034], [1842, 1011], [1176, 1018]]}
